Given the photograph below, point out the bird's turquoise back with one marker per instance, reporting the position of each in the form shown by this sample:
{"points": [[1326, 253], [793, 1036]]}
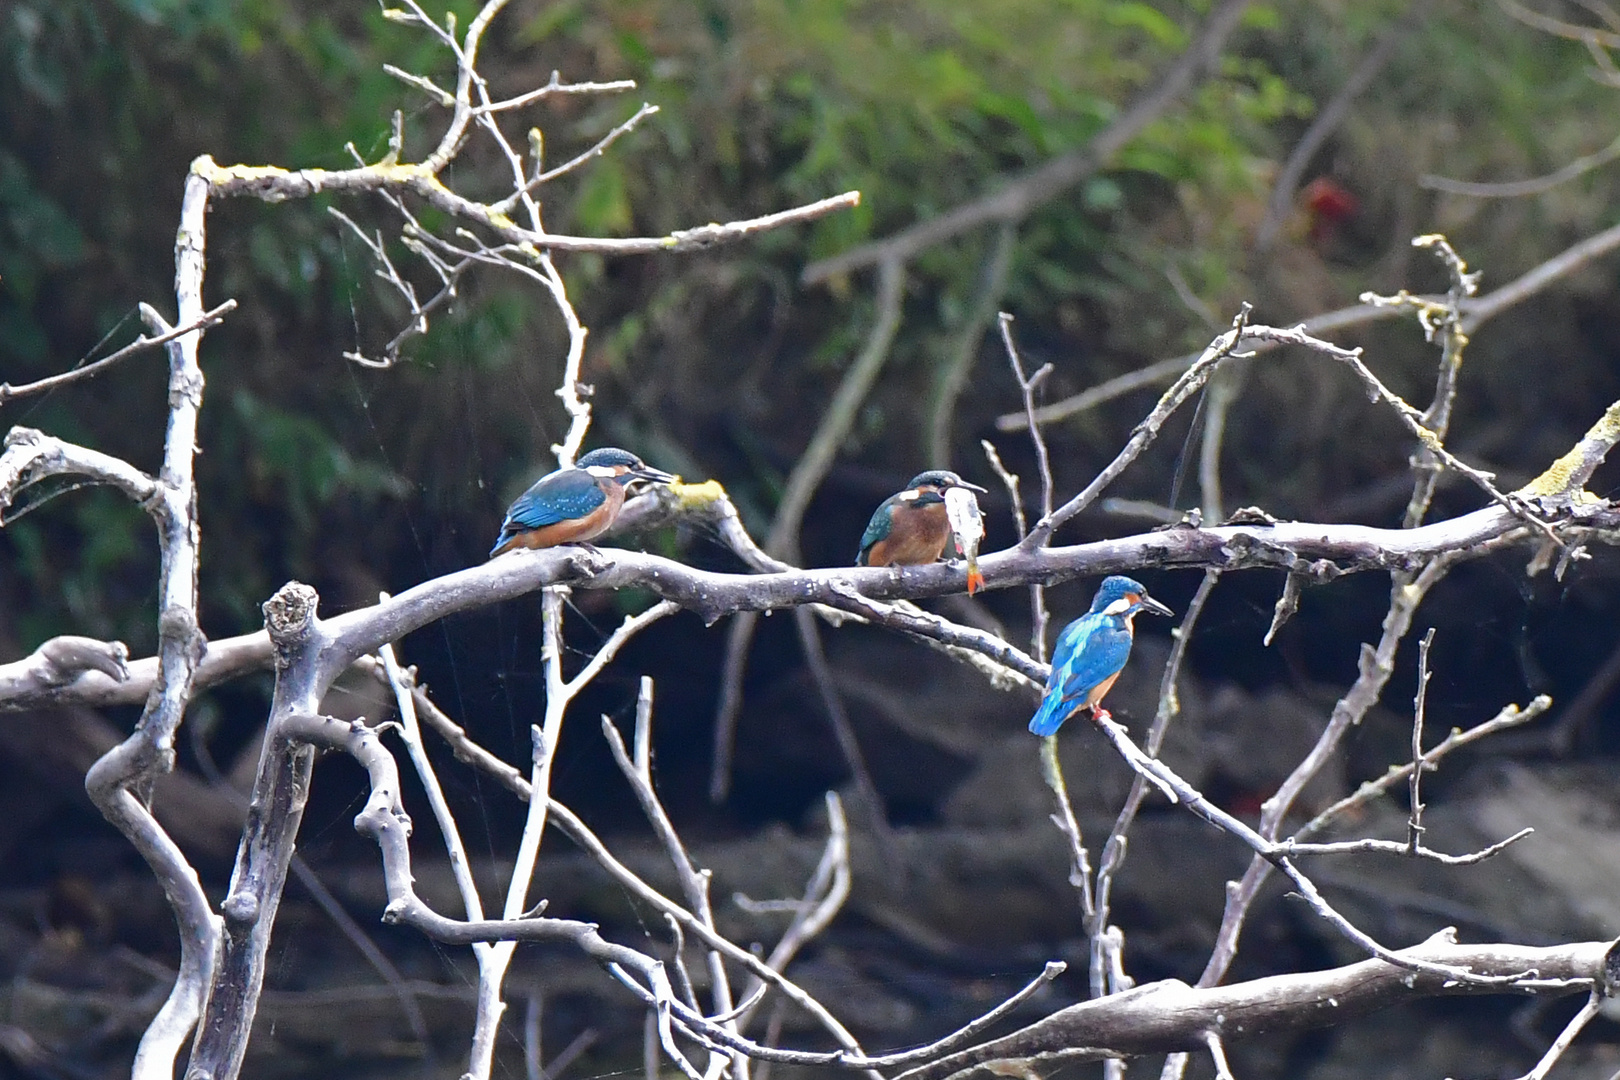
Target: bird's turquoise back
{"points": [[560, 496], [1090, 650], [877, 530]]}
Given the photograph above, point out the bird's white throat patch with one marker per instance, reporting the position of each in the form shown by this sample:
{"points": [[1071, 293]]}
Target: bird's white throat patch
{"points": [[1118, 607], [910, 496], [604, 471]]}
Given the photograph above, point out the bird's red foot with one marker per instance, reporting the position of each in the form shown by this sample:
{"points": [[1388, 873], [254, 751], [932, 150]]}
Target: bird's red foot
{"points": [[975, 582], [1101, 715]]}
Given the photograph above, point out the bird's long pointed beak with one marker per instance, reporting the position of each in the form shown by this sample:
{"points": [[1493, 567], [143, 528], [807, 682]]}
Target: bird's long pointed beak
{"points": [[1150, 604], [656, 476], [975, 487]]}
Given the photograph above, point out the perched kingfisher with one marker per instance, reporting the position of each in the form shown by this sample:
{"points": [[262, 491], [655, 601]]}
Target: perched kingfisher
{"points": [[911, 527], [573, 505], [1091, 652]]}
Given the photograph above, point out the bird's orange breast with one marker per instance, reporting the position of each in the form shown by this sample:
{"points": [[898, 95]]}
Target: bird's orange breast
{"points": [[572, 531], [917, 535]]}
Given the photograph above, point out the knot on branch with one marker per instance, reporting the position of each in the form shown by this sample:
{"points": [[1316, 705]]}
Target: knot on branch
{"points": [[24, 436], [582, 564], [1611, 970], [241, 909], [289, 618], [179, 623], [65, 657]]}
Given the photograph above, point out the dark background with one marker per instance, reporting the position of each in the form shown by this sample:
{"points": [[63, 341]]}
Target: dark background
{"points": [[711, 365]]}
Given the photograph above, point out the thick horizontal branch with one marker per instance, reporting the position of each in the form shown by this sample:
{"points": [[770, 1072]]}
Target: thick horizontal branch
{"points": [[1170, 1017], [1320, 551], [61, 660], [273, 184]]}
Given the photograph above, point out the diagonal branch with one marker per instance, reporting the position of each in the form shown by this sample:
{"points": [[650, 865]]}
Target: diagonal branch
{"points": [[1476, 312], [1023, 193], [1327, 121], [207, 320]]}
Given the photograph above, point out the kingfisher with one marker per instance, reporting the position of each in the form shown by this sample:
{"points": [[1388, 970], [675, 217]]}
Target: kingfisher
{"points": [[912, 526], [1091, 652], [573, 505]]}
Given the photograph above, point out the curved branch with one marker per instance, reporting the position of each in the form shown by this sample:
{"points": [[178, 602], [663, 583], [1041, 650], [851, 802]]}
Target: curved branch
{"points": [[31, 456], [272, 184], [1515, 189], [1476, 312], [1168, 1017]]}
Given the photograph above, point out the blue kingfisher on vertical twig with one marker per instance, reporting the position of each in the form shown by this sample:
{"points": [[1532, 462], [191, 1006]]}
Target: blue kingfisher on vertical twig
{"points": [[911, 527], [1091, 652], [576, 504]]}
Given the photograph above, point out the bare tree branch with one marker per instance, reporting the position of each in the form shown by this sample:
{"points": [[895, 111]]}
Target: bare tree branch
{"points": [[1021, 194], [1476, 312], [1115, 847], [1577, 1023], [1027, 385], [1327, 121], [1318, 550], [207, 320], [272, 184], [1517, 189], [1167, 1017]]}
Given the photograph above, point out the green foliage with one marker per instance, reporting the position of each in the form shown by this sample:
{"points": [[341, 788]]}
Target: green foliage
{"points": [[920, 104], [292, 462]]}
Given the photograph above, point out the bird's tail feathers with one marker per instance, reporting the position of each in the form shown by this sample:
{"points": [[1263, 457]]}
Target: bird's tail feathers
{"points": [[1053, 711]]}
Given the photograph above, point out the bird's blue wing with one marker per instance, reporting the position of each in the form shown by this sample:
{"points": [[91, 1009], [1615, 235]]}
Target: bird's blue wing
{"points": [[877, 529], [561, 496], [1089, 650]]}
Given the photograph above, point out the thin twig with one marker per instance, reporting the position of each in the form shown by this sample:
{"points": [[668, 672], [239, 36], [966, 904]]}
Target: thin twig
{"points": [[694, 882], [1414, 822], [1026, 388], [1190, 382], [1115, 847], [1516, 189], [832, 703], [1476, 312], [1594, 1005], [1277, 855], [1510, 717], [739, 636], [1064, 819], [205, 321]]}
